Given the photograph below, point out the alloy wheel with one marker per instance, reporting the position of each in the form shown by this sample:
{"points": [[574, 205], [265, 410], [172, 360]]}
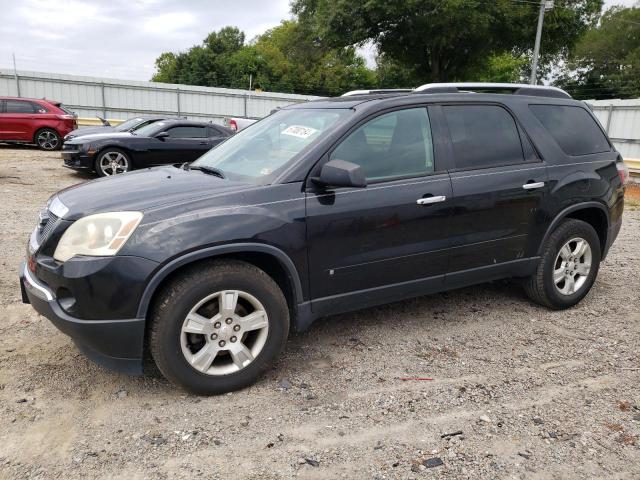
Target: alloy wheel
{"points": [[224, 332], [112, 163], [572, 266], [47, 140]]}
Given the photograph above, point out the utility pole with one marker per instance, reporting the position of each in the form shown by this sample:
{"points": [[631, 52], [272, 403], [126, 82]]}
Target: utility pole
{"points": [[544, 5], [250, 81], [15, 75]]}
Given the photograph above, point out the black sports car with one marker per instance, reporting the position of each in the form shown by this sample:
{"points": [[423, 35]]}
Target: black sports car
{"points": [[166, 141], [127, 126]]}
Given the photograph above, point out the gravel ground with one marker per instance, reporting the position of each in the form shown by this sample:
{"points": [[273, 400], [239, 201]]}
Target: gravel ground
{"points": [[518, 391]]}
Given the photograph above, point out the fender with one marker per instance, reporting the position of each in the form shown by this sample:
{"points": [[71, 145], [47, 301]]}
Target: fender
{"points": [[563, 214], [204, 253]]}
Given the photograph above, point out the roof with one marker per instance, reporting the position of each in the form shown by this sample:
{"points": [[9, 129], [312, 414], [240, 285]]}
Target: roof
{"points": [[48, 100], [437, 92]]}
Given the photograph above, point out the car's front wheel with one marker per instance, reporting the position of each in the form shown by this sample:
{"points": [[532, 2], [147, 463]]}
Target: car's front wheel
{"points": [[568, 267], [112, 161], [218, 326], [48, 139]]}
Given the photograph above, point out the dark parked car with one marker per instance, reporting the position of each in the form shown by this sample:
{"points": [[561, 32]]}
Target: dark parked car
{"points": [[159, 143], [31, 120], [129, 125], [326, 207]]}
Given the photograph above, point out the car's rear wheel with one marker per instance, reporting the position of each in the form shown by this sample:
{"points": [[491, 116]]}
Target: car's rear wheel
{"points": [[217, 327], [568, 267], [48, 139], [112, 161]]}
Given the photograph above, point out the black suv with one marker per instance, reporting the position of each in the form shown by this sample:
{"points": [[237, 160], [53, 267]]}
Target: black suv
{"points": [[326, 207]]}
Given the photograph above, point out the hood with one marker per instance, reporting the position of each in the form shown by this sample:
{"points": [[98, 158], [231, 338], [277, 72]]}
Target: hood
{"points": [[81, 132], [144, 190], [95, 137]]}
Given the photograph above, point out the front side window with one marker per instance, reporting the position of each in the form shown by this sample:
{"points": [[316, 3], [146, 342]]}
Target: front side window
{"points": [[483, 136], [395, 144], [260, 152], [187, 132], [572, 128], [19, 106]]}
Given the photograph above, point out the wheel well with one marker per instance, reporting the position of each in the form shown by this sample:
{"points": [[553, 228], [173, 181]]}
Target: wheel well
{"points": [[35, 135], [265, 262], [597, 219]]}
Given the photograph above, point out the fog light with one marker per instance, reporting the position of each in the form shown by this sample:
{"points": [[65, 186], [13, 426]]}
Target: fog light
{"points": [[66, 300]]}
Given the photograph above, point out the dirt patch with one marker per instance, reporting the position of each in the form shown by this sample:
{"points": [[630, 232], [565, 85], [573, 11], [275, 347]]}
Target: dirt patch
{"points": [[535, 393]]}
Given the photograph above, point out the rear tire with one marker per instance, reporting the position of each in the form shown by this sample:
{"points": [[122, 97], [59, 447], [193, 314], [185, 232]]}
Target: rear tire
{"points": [[200, 336], [48, 139], [568, 267]]}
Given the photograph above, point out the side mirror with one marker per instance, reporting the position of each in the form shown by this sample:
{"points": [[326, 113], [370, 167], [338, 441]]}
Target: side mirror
{"points": [[162, 135], [340, 173]]}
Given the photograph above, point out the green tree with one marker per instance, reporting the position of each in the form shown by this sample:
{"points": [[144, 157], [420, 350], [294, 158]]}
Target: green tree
{"points": [[287, 58], [446, 40], [606, 60]]}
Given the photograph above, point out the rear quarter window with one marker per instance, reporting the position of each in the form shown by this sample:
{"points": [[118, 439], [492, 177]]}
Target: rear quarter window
{"points": [[573, 129]]}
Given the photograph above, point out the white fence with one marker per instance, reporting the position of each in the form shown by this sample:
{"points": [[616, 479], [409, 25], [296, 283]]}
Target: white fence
{"points": [[621, 119], [119, 99]]}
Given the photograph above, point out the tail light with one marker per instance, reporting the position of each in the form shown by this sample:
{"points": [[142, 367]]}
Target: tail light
{"points": [[233, 125], [623, 171], [66, 117]]}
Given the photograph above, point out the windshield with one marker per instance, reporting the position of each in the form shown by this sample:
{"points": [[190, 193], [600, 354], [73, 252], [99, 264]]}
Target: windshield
{"points": [[150, 129], [129, 124], [261, 151]]}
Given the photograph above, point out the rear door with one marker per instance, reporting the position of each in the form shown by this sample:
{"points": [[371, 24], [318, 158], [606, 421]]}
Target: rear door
{"points": [[371, 245], [499, 185]]}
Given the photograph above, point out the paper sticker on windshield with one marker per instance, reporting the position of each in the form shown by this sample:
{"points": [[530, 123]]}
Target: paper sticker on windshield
{"points": [[299, 131]]}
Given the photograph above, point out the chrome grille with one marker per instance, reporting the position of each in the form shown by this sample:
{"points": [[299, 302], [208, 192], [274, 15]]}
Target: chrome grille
{"points": [[47, 222]]}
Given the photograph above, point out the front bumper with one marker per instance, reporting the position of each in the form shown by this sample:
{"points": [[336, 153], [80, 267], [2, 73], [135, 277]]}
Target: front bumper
{"points": [[77, 160], [115, 344]]}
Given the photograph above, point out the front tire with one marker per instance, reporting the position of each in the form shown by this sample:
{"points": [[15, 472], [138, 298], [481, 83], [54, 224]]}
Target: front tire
{"points": [[48, 139], [568, 267], [112, 161], [218, 327]]}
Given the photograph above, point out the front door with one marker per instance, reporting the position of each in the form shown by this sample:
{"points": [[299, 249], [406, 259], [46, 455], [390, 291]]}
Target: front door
{"points": [[185, 143], [390, 239], [498, 183]]}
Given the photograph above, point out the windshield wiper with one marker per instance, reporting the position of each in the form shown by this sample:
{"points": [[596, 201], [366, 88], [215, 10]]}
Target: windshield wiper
{"points": [[203, 168]]}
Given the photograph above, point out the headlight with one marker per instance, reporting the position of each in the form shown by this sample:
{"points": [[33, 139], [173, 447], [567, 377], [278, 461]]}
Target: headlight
{"points": [[100, 235]]}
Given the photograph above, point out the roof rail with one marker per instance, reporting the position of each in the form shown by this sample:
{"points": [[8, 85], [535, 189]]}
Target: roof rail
{"points": [[513, 88], [382, 91]]}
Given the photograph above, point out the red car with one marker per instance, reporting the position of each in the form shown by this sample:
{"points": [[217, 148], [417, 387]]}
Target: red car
{"points": [[29, 120]]}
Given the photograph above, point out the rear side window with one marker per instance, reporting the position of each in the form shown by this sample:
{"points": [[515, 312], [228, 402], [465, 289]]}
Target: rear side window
{"points": [[20, 106], [483, 136], [572, 128]]}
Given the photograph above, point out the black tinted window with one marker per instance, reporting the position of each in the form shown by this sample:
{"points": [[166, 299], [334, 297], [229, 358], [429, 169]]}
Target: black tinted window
{"points": [[483, 136], [187, 132], [20, 106], [391, 145], [573, 128]]}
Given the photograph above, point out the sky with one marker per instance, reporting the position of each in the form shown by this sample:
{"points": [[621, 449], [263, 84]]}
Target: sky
{"points": [[122, 38]]}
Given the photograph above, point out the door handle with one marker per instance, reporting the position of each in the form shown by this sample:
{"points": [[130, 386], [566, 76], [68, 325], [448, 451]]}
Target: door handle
{"points": [[533, 185], [430, 200]]}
